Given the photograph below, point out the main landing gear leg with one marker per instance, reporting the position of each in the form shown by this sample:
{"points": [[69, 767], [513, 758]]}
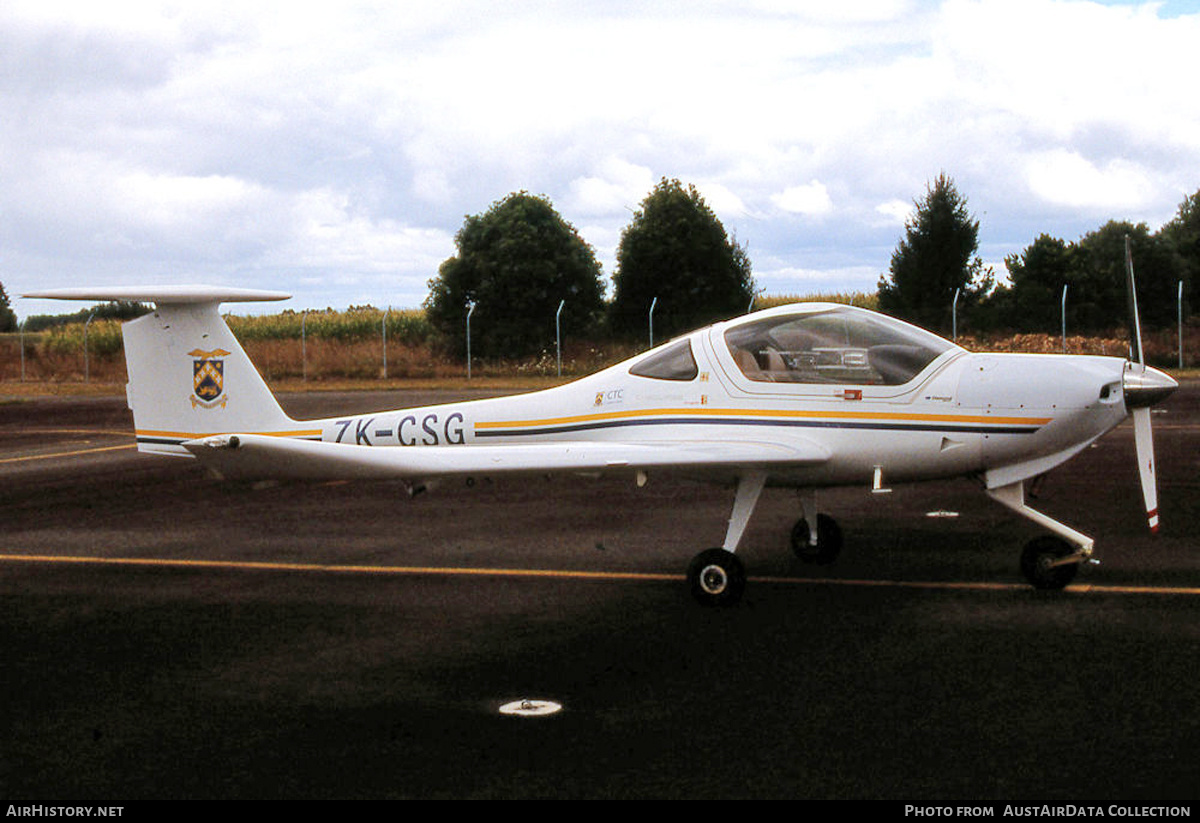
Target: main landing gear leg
{"points": [[716, 576], [1050, 561]]}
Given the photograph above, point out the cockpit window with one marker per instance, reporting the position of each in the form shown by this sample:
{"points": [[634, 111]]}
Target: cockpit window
{"points": [[675, 362], [835, 346]]}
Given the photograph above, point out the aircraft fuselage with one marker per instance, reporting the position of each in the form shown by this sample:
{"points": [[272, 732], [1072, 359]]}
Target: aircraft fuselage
{"points": [[965, 414]]}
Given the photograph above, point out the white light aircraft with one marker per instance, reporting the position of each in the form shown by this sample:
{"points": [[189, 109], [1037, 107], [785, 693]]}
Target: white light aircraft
{"points": [[806, 396]]}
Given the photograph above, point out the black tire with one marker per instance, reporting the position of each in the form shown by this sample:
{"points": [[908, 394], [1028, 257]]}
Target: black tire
{"points": [[717, 577], [1037, 557], [829, 541]]}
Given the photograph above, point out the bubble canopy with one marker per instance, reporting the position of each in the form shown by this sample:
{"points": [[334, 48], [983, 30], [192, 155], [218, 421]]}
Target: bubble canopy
{"points": [[838, 344]]}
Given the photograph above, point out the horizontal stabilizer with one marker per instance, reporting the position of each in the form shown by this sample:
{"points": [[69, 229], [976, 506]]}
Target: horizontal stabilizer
{"points": [[253, 456], [161, 295]]}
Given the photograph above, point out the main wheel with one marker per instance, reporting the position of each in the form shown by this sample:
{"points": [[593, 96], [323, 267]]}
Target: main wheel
{"points": [[717, 577], [829, 541], [1037, 559]]}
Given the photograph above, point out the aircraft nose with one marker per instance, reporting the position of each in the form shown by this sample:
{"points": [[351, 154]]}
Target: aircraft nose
{"points": [[1147, 386]]}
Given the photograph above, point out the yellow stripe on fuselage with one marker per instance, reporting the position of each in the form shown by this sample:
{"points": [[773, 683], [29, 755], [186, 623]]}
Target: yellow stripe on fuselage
{"points": [[765, 413]]}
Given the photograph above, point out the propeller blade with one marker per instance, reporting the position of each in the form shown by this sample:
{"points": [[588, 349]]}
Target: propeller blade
{"points": [[1135, 323], [1144, 440], [1143, 386]]}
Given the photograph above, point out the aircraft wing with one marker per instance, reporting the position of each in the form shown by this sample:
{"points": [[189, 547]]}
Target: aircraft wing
{"points": [[263, 456]]}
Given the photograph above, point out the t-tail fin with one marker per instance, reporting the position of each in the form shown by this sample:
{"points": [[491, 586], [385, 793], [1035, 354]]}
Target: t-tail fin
{"points": [[188, 375]]}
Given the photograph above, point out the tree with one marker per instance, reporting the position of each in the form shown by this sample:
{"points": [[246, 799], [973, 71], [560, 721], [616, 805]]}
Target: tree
{"points": [[8, 319], [1101, 274], [1038, 274], [675, 249], [935, 259], [1184, 230], [115, 310], [515, 263], [1183, 233], [1093, 270]]}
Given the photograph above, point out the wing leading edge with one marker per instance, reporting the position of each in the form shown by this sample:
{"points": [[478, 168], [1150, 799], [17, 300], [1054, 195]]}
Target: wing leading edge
{"points": [[258, 456]]}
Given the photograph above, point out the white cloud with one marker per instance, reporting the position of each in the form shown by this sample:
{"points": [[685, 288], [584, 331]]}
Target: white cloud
{"points": [[895, 211], [220, 140], [615, 189], [328, 234], [812, 200], [1064, 178], [1066, 64], [178, 202], [724, 202]]}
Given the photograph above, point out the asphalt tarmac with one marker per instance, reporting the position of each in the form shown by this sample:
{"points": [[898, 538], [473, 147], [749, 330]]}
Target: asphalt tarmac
{"points": [[165, 635]]}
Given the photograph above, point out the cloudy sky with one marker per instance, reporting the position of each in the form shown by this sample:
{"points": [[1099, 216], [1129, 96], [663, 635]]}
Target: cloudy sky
{"points": [[332, 149]]}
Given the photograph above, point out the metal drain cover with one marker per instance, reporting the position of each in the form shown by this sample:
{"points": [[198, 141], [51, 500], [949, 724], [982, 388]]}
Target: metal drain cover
{"points": [[531, 707]]}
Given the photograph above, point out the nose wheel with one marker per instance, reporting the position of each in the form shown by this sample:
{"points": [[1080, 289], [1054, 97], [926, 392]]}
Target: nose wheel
{"points": [[1049, 563]]}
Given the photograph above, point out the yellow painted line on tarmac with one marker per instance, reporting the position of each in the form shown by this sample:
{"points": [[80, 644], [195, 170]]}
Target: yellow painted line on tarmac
{"points": [[250, 565], [109, 432], [897, 584], [74, 453], [67, 454], [1084, 588], [1077, 588]]}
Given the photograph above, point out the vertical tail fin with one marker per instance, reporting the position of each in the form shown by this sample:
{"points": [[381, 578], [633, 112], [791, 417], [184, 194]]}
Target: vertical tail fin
{"points": [[188, 375]]}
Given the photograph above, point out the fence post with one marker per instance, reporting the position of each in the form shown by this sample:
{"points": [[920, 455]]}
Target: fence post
{"points": [[558, 334], [23, 322], [304, 345], [1064, 318], [954, 315], [86, 369], [470, 311], [385, 319], [653, 303], [1179, 310]]}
